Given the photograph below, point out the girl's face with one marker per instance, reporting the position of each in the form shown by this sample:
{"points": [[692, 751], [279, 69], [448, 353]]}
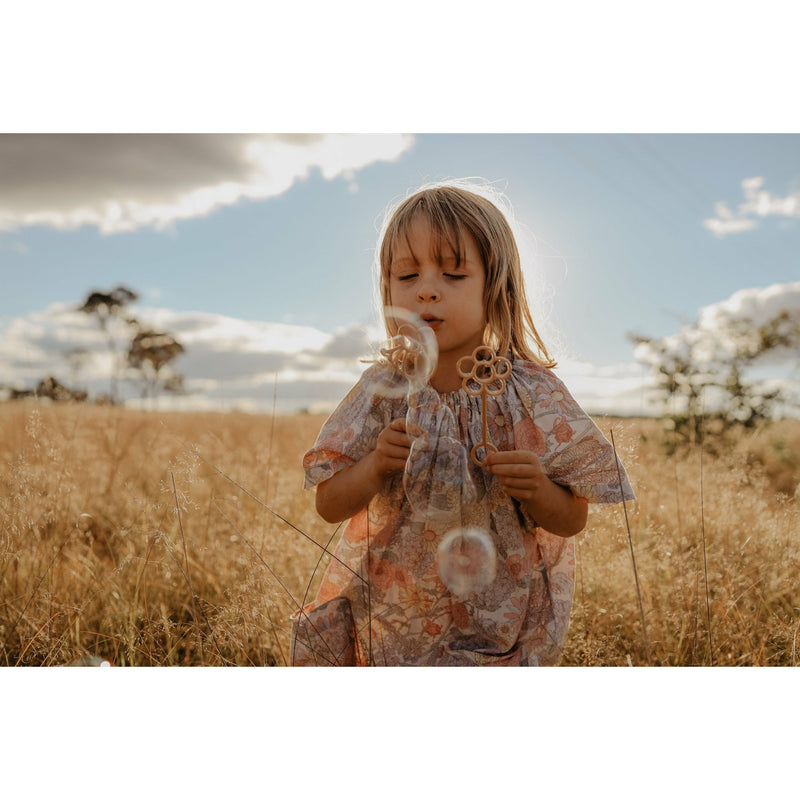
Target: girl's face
{"points": [[427, 277]]}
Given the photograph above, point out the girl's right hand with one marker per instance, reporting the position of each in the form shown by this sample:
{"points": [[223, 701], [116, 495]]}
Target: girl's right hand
{"points": [[393, 448], [350, 490]]}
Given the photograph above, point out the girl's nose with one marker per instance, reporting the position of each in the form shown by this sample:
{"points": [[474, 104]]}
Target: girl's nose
{"points": [[428, 293]]}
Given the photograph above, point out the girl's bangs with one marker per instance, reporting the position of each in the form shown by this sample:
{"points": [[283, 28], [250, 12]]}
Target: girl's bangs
{"points": [[446, 229]]}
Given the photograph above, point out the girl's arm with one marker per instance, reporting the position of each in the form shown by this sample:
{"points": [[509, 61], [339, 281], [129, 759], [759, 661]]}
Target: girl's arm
{"points": [[553, 506], [349, 490]]}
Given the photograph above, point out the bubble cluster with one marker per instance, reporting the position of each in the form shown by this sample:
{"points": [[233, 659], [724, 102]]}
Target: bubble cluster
{"points": [[466, 560]]}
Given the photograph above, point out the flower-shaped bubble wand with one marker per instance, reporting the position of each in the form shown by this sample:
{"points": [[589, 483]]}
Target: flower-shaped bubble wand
{"points": [[436, 478], [483, 374]]}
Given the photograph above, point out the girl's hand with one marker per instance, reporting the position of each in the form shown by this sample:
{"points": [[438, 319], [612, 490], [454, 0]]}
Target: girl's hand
{"points": [[393, 448], [519, 472], [351, 489], [554, 507]]}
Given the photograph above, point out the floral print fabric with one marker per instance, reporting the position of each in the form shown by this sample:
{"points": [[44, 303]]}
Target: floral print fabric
{"points": [[382, 600]]}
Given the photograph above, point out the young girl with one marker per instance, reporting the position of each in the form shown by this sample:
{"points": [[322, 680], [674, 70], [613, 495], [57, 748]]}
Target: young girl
{"points": [[449, 256]]}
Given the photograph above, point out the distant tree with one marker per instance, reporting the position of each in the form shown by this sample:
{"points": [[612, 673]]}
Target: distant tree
{"points": [[150, 352], [680, 380], [107, 308], [51, 388], [703, 374]]}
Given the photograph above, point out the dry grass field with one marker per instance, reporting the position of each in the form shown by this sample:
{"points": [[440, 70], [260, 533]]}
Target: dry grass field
{"points": [[187, 539]]}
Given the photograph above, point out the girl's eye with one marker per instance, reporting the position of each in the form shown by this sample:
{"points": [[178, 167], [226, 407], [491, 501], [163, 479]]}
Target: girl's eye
{"points": [[407, 277], [454, 277]]}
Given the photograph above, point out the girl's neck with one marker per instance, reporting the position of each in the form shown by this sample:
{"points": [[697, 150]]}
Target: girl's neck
{"points": [[446, 378]]}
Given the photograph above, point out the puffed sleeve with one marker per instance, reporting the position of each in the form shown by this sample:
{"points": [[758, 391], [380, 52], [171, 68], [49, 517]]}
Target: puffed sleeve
{"points": [[575, 452], [351, 431]]}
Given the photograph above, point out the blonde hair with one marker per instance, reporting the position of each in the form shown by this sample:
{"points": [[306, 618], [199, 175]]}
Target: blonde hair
{"points": [[452, 212]]}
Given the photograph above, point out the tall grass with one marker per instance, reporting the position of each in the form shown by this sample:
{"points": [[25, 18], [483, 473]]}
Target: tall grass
{"points": [[187, 539]]}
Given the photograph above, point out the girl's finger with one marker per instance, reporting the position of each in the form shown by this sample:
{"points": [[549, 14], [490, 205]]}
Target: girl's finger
{"points": [[396, 450], [520, 470], [512, 457], [399, 439], [515, 483]]}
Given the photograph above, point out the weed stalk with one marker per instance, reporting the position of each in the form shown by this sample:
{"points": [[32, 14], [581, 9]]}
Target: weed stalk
{"points": [[633, 557]]}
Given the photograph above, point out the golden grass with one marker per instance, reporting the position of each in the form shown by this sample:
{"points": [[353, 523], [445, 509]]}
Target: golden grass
{"points": [[135, 537]]}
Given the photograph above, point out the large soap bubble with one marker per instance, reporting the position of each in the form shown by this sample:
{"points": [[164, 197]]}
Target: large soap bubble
{"points": [[466, 560], [412, 354]]}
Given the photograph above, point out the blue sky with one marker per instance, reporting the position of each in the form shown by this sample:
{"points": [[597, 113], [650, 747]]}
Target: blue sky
{"points": [[256, 252], [626, 232]]}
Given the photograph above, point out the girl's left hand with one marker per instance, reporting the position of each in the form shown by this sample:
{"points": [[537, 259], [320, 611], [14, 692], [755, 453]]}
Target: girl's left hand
{"points": [[519, 472]]}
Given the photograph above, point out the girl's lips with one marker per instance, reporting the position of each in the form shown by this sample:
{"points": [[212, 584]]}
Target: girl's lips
{"points": [[432, 322]]}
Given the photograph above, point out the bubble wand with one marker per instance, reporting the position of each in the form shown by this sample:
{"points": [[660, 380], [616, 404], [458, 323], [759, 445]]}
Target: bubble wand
{"points": [[483, 374]]}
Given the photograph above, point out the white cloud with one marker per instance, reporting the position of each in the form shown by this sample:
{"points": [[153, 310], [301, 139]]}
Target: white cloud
{"points": [[755, 304], [722, 227], [712, 335], [120, 183], [758, 204], [232, 363], [227, 363], [744, 312]]}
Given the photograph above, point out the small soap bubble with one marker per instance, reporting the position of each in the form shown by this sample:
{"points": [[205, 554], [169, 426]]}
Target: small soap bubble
{"points": [[467, 560]]}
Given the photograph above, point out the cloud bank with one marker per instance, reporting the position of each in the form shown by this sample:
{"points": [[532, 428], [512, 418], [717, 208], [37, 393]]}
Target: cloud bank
{"points": [[228, 363], [758, 204], [236, 364], [120, 183], [711, 337], [723, 327]]}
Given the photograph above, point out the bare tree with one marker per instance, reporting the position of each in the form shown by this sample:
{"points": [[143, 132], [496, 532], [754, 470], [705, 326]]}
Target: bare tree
{"points": [[149, 353], [107, 308]]}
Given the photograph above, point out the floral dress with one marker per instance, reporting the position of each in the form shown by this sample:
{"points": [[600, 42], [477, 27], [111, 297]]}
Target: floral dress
{"points": [[383, 600]]}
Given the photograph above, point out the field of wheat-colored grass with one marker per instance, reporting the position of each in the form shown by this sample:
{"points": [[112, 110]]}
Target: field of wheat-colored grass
{"points": [[146, 538]]}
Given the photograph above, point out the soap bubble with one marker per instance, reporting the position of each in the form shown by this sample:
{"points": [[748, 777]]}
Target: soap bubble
{"points": [[466, 560], [412, 353]]}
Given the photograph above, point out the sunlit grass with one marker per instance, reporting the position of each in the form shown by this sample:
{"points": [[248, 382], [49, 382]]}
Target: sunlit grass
{"points": [[154, 539]]}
